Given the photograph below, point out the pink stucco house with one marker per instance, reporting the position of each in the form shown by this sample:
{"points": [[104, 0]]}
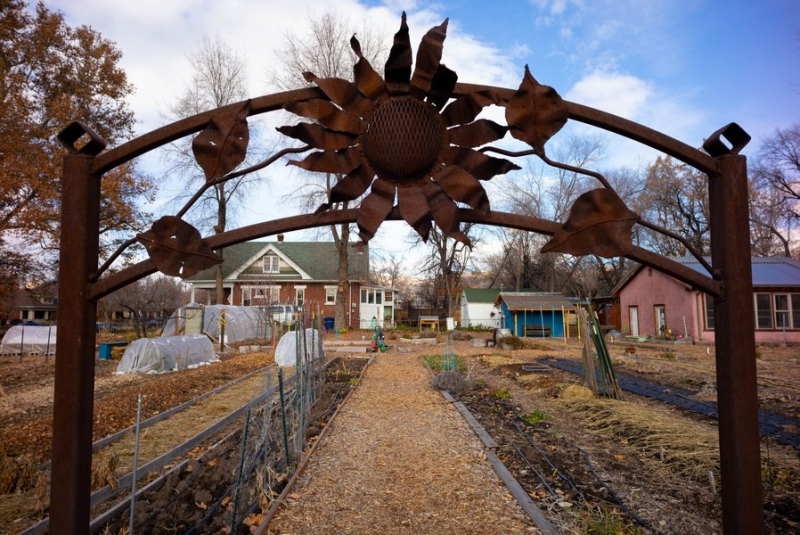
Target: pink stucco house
{"points": [[652, 303]]}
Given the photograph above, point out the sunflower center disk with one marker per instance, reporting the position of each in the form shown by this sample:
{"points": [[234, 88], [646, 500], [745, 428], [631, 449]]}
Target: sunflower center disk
{"points": [[403, 139]]}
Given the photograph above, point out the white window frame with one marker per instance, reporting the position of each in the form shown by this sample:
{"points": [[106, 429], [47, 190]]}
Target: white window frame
{"points": [[787, 310], [298, 291], [330, 295], [706, 300], [795, 312], [771, 326], [274, 263], [271, 293]]}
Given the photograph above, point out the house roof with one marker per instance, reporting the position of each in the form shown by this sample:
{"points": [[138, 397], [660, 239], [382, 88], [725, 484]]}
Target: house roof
{"points": [[532, 300], [319, 260], [481, 295], [772, 271]]}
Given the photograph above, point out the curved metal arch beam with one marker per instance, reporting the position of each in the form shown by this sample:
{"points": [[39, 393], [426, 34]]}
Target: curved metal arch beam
{"points": [[498, 219], [578, 112]]}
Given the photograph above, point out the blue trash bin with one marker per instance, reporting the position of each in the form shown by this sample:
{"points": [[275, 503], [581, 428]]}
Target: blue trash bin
{"points": [[329, 324]]}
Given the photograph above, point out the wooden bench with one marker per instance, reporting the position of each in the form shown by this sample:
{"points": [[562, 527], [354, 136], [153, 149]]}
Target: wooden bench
{"points": [[538, 331]]}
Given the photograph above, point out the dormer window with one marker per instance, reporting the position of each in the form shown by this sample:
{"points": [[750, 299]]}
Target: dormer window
{"points": [[271, 263]]}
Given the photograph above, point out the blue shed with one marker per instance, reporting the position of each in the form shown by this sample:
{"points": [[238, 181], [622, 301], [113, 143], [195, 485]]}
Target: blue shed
{"points": [[534, 314]]}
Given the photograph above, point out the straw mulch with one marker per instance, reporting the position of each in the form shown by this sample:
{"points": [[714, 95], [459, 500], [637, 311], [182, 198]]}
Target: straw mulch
{"points": [[399, 459]]}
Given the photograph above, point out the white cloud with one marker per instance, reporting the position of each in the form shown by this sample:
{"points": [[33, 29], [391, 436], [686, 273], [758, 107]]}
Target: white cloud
{"points": [[620, 94]]}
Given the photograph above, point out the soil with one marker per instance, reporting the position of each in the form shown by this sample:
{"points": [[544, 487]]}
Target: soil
{"points": [[200, 496], [662, 499], [26, 411]]}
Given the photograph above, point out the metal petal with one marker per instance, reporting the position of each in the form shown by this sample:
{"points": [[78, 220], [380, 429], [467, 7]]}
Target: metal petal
{"points": [[328, 115], [463, 187], [598, 223], [343, 93], [397, 71], [478, 164], [445, 212], [340, 162], [465, 109], [352, 186], [222, 146], [428, 57], [176, 248], [535, 113], [476, 134], [444, 82], [415, 210], [367, 79], [374, 209], [318, 136]]}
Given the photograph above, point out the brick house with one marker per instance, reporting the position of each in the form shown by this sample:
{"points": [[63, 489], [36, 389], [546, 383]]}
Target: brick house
{"points": [[37, 304], [261, 273], [651, 302]]}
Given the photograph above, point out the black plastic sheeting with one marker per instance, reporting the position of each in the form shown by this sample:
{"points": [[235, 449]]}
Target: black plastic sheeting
{"points": [[770, 424]]}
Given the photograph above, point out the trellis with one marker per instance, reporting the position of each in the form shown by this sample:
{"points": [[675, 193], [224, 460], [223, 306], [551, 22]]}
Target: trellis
{"points": [[417, 133]]}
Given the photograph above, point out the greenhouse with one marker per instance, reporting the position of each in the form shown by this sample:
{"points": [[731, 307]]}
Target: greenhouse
{"points": [[159, 355], [29, 340], [241, 323], [286, 352]]}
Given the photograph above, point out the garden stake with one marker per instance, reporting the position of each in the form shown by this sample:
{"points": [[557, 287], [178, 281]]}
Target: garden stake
{"points": [[283, 420], [135, 462], [22, 344], [47, 351], [241, 470]]}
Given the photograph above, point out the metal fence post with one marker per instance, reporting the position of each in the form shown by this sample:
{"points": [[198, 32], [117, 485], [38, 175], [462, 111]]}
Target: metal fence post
{"points": [[740, 455], [74, 380]]}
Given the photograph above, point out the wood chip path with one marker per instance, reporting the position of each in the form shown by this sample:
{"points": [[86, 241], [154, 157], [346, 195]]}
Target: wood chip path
{"points": [[398, 459]]}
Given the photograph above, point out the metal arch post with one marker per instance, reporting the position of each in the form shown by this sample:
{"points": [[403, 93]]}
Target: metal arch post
{"points": [[739, 440], [74, 381]]}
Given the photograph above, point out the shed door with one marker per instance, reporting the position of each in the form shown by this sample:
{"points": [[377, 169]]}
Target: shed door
{"points": [[633, 316]]}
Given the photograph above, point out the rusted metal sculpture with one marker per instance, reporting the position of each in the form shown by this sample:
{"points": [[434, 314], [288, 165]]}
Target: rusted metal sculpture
{"points": [[414, 136]]}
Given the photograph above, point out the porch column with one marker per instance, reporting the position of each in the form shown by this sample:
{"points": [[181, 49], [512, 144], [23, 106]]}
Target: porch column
{"points": [[739, 440], [74, 381]]}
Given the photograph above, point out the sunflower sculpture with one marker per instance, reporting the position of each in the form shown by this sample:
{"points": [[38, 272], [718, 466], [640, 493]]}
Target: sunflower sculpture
{"points": [[400, 137]]}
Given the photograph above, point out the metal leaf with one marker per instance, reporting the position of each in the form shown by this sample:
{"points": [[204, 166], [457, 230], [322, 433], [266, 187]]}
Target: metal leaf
{"points": [[478, 164], [328, 115], [535, 113], [374, 209], [598, 223], [177, 249], [222, 146], [476, 134], [397, 71], [428, 57]]}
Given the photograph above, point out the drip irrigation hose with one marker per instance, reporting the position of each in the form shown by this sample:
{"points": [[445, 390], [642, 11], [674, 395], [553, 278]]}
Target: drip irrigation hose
{"points": [[545, 457], [642, 522], [535, 471]]}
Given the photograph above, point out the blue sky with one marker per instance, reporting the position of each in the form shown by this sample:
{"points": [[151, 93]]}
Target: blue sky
{"points": [[683, 67]]}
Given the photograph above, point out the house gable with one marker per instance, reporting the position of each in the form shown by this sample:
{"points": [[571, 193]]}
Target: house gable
{"points": [[253, 267]]}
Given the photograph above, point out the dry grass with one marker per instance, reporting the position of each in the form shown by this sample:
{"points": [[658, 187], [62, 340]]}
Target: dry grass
{"points": [[689, 449], [577, 392]]}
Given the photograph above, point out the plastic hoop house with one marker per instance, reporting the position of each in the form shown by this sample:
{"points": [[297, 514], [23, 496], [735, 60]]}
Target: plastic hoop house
{"points": [[412, 140]]}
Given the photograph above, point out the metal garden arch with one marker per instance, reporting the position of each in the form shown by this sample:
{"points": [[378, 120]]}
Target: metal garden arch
{"points": [[418, 133]]}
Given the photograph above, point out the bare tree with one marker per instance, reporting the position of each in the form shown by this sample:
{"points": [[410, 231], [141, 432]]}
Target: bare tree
{"points": [[219, 78], [325, 50], [775, 191], [157, 295], [442, 270]]}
